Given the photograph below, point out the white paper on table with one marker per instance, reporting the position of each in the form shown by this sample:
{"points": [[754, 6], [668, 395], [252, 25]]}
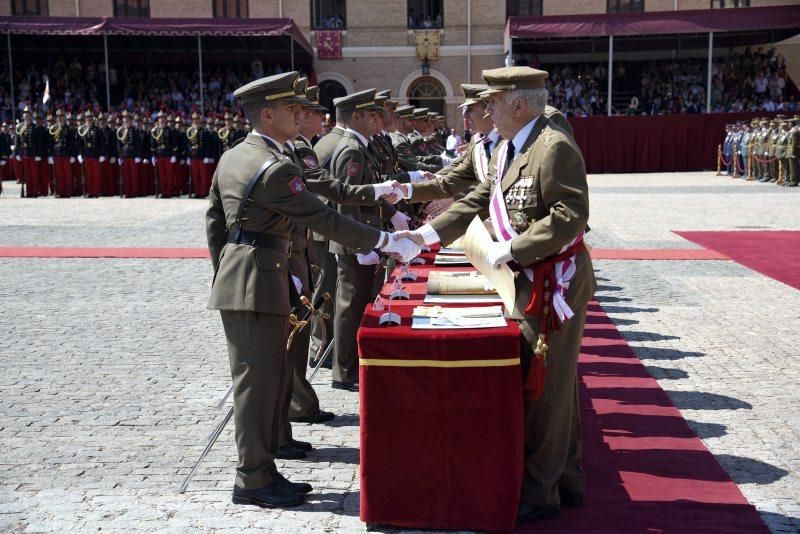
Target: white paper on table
{"points": [[450, 260], [476, 243], [451, 251], [472, 317], [462, 299], [428, 323]]}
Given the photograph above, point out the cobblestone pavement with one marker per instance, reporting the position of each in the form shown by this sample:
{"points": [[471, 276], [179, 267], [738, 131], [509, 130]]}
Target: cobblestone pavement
{"points": [[112, 367]]}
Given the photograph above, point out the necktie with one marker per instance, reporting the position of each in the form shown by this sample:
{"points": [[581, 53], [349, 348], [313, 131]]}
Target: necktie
{"points": [[509, 157], [487, 148]]}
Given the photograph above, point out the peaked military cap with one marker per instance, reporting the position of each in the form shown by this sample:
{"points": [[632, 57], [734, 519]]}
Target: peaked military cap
{"points": [[380, 101], [471, 92], [270, 89], [59, 112], [512, 78], [421, 113], [300, 86], [386, 92], [312, 95], [406, 111], [88, 114], [360, 101]]}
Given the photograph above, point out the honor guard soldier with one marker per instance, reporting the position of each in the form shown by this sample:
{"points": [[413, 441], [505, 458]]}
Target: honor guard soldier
{"points": [[181, 143], [539, 205], [24, 147], [164, 152], [225, 132], [780, 151], [147, 169], [772, 142], [5, 155], [213, 152], [129, 149], [197, 147], [108, 166], [92, 155], [257, 195], [64, 150], [237, 132]]}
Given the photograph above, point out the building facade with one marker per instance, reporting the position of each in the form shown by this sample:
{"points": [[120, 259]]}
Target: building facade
{"points": [[377, 36]]}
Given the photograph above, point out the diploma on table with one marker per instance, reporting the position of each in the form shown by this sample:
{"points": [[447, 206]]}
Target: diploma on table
{"points": [[476, 242]]}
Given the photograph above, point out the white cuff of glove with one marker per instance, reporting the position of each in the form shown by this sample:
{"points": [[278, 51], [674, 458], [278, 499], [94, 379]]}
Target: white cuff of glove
{"points": [[400, 220], [298, 285], [499, 253], [50, 160], [113, 160], [406, 249], [72, 159], [428, 234], [3, 162], [173, 159], [153, 160], [368, 259], [416, 176], [80, 159], [101, 159], [383, 188], [137, 160], [37, 158]]}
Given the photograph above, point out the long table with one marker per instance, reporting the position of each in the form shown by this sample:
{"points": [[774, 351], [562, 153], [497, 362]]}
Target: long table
{"points": [[441, 421]]}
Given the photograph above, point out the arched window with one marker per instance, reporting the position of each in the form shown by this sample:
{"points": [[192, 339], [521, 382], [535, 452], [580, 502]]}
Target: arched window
{"points": [[328, 90], [427, 92]]}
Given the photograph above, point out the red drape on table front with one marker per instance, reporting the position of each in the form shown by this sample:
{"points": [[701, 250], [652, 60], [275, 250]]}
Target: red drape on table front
{"points": [[662, 143]]}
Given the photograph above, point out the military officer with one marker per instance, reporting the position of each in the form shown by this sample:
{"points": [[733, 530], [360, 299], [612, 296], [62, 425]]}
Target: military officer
{"points": [[257, 194], [541, 213], [353, 163], [772, 141], [129, 150], [402, 142], [780, 150]]}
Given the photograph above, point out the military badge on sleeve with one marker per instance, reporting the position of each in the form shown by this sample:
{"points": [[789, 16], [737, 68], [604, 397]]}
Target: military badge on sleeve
{"points": [[353, 168], [311, 162], [296, 185]]}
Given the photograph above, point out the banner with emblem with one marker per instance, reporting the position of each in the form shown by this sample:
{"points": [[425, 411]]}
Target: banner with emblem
{"points": [[427, 43], [329, 44]]}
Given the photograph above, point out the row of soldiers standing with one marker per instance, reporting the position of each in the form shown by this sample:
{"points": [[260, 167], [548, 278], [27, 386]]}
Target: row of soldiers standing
{"points": [[125, 154], [762, 149]]}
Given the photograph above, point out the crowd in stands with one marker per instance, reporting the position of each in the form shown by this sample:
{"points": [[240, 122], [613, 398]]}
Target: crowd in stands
{"points": [[75, 85], [743, 81]]}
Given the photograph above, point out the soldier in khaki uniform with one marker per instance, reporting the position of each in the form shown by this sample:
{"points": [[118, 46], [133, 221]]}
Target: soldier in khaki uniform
{"points": [[772, 141], [257, 195], [544, 194], [791, 154], [354, 163], [780, 150], [402, 141]]}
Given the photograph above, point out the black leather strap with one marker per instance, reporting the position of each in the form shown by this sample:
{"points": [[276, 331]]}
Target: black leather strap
{"points": [[254, 239], [237, 228]]}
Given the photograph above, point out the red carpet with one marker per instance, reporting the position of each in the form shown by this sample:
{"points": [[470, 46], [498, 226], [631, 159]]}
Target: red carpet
{"points": [[656, 254], [102, 252], [646, 470], [772, 253]]}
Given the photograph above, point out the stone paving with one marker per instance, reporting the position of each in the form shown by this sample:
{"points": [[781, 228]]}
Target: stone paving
{"points": [[112, 368]]}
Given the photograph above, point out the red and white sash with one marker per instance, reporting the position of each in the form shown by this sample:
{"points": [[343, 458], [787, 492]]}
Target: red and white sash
{"points": [[564, 270]]}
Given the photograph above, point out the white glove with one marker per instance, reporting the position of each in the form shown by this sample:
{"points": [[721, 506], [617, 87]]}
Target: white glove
{"points": [[19, 158], [173, 159], [400, 220], [137, 160], [119, 162], [383, 188], [113, 160], [403, 247], [153, 160], [80, 159], [37, 158], [437, 207], [498, 253], [368, 259], [50, 160], [101, 159], [3, 162], [72, 159], [297, 284], [205, 160]]}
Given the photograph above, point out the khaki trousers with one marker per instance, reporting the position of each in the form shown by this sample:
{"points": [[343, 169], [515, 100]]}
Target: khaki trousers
{"points": [[257, 353]]}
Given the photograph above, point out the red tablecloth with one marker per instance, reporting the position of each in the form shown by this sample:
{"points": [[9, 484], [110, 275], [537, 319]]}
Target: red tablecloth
{"points": [[441, 422]]}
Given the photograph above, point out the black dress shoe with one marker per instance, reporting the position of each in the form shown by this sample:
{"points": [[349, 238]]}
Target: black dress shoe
{"points": [[297, 487], [327, 364], [319, 417], [570, 498], [529, 512], [302, 445], [290, 453], [275, 495], [347, 386]]}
